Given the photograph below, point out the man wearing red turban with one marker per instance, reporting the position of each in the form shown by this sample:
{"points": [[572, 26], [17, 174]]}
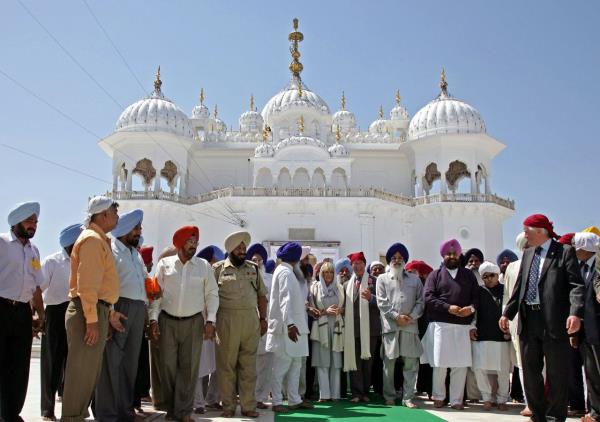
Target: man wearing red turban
{"points": [[189, 290], [549, 292], [362, 327]]}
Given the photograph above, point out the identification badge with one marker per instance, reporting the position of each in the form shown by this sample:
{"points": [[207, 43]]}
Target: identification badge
{"points": [[35, 264]]}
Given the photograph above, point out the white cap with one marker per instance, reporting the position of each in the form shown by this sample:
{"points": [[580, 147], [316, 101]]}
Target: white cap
{"points": [[97, 205], [589, 242], [489, 267], [305, 252]]}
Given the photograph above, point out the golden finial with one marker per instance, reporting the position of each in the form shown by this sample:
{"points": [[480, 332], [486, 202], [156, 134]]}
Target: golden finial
{"points": [[251, 102], [338, 134], [265, 133], [397, 97], [299, 88], [295, 37], [381, 112], [343, 101], [201, 96], [157, 82], [443, 84], [301, 125], [216, 113]]}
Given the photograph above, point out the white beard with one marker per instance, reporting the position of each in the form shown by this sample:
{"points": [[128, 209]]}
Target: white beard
{"points": [[397, 271]]}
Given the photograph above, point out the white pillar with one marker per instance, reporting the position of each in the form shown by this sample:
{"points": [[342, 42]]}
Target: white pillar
{"points": [[488, 189], [157, 182], [367, 236], [473, 183], [129, 181]]}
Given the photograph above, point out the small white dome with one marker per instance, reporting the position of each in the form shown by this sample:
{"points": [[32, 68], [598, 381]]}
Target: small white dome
{"points": [[445, 115], [344, 119], [218, 125], [399, 113], [300, 140], [251, 121], [338, 150], [154, 113], [200, 112], [264, 149], [289, 97], [378, 126]]}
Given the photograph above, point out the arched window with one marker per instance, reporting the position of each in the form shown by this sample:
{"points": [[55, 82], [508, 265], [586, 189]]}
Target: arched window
{"points": [[264, 178], [457, 171], [284, 180], [169, 173], [432, 175], [146, 171], [339, 179], [301, 179], [318, 179]]}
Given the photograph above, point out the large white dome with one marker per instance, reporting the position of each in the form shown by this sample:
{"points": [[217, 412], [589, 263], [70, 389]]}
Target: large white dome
{"points": [[445, 115], [290, 97], [154, 113]]}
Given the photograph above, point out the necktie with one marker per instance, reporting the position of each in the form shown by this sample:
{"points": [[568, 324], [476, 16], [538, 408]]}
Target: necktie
{"points": [[532, 279], [584, 269]]}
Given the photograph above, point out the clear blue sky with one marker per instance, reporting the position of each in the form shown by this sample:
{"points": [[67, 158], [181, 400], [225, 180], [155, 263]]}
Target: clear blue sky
{"points": [[531, 68]]}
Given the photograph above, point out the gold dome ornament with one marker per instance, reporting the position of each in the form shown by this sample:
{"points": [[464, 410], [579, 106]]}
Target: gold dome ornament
{"points": [[381, 114], [266, 132], [443, 84], [252, 108], [295, 37], [398, 97], [157, 82], [338, 134], [343, 101], [201, 98], [301, 125]]}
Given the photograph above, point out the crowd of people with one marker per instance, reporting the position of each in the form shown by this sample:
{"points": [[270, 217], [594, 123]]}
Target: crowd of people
{"points": [[208, 329]]}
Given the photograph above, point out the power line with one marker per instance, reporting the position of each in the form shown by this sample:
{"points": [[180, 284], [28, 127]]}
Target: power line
{"points": [[69, 54], [71, 169], [148, 134], [53, 107], [114, 46], [231, 216]]}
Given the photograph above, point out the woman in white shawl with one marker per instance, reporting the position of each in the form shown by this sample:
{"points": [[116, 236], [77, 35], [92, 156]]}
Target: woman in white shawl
{"points": [[327, 296]]}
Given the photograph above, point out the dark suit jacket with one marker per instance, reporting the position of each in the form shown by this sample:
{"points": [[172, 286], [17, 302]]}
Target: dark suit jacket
{"points": [[374, 314], [561, 289], [591, 313]]}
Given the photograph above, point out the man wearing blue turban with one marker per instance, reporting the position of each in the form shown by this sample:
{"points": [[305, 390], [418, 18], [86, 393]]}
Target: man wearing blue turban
{"points": [[56, 269], [20, 280], [116, 385], [287, 336]]}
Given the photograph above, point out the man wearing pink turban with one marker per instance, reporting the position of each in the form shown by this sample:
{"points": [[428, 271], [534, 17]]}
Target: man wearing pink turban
{"points": [[451, 298]]}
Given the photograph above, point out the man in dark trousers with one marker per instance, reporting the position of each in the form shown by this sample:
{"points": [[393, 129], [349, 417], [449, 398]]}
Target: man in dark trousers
{"points": [[548, 297], [588, 341]]}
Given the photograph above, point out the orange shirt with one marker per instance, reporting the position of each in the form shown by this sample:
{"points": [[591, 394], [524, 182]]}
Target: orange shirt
{"points": [[93, 271]]}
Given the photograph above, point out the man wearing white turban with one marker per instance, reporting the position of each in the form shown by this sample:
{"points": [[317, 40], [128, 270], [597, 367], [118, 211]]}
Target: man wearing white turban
{"points": [[20, 280]]}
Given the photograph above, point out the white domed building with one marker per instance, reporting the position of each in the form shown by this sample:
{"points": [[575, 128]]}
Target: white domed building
{"points": [[298, 171]]}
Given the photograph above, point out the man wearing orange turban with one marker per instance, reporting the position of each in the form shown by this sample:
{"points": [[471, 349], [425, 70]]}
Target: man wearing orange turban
{"points": [[189, 288]]}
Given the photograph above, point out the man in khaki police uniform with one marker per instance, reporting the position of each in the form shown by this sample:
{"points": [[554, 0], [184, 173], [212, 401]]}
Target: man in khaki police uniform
{"points": [[239, 327]]}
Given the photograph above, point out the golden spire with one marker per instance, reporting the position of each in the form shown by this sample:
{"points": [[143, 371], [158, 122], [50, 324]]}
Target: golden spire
{"points": [[381, 112], [201, 96], [343, 101], [216, 113], [397, 97], [157, 82], [251, 102], [295, 37], [338, 134], [265, 133], [443, 84], [301, 125]]}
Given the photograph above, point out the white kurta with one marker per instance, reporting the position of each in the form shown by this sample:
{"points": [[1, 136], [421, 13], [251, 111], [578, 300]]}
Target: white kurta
{"points": [[286, 307], [491, 355], [510, 280], [447, 345]]}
